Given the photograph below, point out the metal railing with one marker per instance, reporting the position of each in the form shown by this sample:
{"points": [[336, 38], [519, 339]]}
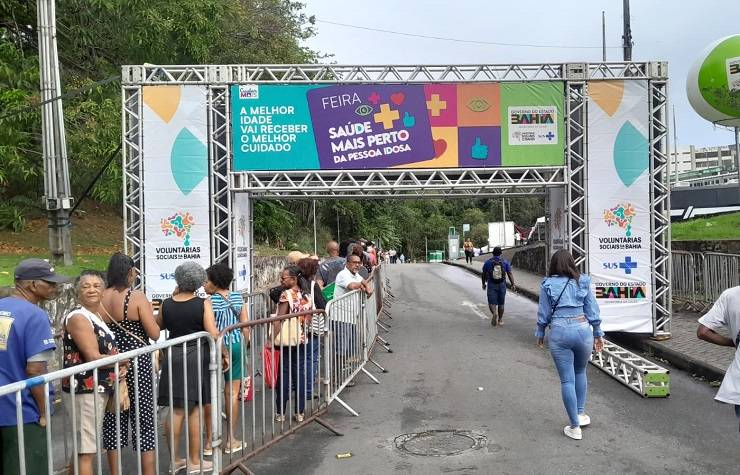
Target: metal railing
{"points": [[252, 405], [62, 435], [698, 278]]}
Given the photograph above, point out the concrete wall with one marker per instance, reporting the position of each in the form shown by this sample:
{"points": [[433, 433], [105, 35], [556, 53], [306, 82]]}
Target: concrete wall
{"points": [[728, 246], [532, 258]]}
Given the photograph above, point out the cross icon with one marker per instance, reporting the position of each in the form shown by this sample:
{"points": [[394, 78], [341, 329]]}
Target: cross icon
{"points": [[550, 136], [386, 116], [628, 265], [374, 98], [436, 106]]}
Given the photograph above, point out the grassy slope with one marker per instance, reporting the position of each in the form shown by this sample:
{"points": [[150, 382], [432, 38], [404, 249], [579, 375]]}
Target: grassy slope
{"points": [[714, 228]]}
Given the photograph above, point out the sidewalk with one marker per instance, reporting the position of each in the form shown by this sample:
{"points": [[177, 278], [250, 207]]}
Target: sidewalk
{"points": [[683, 350]]}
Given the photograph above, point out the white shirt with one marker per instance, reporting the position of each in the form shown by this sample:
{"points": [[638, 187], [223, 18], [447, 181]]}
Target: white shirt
{"points": [[344, 278], [725, 314]]}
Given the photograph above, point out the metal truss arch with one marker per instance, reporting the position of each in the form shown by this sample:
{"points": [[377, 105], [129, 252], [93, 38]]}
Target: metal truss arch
{"points": [[353, 73], [398, 183]]}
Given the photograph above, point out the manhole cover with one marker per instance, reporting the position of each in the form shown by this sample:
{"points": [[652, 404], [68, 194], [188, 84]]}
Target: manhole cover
{"points": [[439, 443]]}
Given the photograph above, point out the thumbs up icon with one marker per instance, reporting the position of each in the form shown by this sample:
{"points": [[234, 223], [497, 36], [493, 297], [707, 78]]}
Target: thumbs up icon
{"points": [[479, 151], [409, 120]]}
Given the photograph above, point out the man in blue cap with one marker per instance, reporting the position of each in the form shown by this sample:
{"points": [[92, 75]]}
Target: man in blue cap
{"points": [[26, 346], [494, 275]]}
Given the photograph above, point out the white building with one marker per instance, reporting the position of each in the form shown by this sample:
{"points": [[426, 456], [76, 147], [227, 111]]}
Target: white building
{"points": [[703, 166]]}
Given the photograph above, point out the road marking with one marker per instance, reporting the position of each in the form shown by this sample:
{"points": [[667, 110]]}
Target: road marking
{"points": [[475, 309]]}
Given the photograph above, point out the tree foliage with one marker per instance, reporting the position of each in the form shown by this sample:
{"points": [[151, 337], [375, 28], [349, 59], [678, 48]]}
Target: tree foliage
{"points": [[95, 38]]}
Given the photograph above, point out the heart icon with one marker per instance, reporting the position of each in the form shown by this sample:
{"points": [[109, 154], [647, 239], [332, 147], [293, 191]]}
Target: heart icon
{"points": [[439, 147], [398, 98]]}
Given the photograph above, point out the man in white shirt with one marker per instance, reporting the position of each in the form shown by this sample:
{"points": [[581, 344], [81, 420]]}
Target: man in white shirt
{"points": [[349, 278], [725, 314]]}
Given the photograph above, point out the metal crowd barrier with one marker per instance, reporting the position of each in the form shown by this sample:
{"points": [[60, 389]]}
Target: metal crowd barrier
{"points": [[698, 279], [312, 373], [61, 435]]}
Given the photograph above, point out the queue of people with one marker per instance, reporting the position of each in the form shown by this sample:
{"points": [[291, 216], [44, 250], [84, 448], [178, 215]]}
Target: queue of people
{"points": [[117, 402]]}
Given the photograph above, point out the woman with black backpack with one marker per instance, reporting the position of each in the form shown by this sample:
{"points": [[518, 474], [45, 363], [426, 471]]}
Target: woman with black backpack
{"points": [[317, 326], [569, 307]]}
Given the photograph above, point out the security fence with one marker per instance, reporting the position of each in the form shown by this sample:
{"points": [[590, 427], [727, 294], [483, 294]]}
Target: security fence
{"points": [[215, 402], [698, 278]]}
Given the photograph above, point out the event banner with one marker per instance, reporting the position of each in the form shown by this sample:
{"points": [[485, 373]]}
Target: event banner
{"points": [[558, 227], [379, 126], [619, 203], [176, 197], [241, 242]]}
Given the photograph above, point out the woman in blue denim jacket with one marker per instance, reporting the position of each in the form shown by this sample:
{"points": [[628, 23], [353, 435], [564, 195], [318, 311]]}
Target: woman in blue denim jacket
{"points": [[568, 306]]}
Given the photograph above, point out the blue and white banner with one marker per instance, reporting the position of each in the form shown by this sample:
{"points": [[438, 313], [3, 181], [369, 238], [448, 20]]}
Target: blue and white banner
{"points": [[619, 204], [176, 193], [241, 231]]}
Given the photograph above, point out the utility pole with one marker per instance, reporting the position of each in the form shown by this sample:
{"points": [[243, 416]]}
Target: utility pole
{"points": [[675, 147], [627, 35], [58, 199], [603, 36], [315, 244], [737, 155]]}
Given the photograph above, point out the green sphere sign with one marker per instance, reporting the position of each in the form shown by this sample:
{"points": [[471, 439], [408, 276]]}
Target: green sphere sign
{"points": [[713, 84]]}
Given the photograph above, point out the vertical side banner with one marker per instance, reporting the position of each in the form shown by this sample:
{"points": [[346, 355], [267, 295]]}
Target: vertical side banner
{"points": [[176, 194], [557, 228], [241, 241], [619, 203]]}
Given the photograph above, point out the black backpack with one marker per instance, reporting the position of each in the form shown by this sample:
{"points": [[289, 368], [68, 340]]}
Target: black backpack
{"points": [[497, 274]]}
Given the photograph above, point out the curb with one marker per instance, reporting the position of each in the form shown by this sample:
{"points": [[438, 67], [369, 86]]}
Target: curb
{"points": [[640, 342]]}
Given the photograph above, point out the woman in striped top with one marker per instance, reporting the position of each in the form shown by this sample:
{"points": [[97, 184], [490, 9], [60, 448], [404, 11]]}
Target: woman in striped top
{"points": [[229, 309]]}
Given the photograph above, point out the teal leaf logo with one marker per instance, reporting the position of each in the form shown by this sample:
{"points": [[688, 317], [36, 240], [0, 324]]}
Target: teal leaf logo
{"points": [[631, 157], [189, 161]]}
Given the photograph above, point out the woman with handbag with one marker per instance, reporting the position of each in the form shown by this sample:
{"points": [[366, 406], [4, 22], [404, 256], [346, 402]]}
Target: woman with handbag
{"points": [[85, 338], [569, 307], [229, 309], [289, 338], [316, 324], [129, 315]]}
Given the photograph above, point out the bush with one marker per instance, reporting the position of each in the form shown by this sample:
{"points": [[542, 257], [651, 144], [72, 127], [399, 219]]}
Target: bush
{"points": [[11, 217]]}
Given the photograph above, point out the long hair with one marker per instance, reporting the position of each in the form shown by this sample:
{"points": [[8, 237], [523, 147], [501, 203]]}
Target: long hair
{"points": [[562, 264], [296, 272], [309, 267], [119, 267]]}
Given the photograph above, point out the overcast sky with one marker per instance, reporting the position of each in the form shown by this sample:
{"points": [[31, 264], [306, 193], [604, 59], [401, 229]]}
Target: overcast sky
{"points": [[663, 30]]}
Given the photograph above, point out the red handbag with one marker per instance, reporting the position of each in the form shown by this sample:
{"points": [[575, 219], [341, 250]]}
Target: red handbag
{"points": [[270, 365], [247, 389]]}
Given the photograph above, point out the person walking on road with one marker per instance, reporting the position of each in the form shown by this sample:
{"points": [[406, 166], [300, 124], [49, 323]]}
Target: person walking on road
{"points": [[494, 275], [26, 347], [725, 314], [468, 248], [569, 308]]}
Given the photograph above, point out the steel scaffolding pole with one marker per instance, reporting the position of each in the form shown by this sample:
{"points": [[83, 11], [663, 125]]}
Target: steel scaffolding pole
{"points": [[57, 194]]}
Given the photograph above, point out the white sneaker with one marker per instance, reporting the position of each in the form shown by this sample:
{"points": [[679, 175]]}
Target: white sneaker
{"points": [[573, 433], [583, 420]]}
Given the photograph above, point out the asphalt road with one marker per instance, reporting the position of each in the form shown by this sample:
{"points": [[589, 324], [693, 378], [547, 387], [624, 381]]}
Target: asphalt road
{"points": [[445, 350]]}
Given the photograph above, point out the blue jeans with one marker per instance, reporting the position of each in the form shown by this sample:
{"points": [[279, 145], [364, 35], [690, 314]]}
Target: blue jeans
{"points": [[313, 348], [292, 377], [571, 342]]}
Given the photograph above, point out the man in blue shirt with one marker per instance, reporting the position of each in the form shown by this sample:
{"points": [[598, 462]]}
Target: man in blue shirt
{"points": [[26, 346], [494, 275]]}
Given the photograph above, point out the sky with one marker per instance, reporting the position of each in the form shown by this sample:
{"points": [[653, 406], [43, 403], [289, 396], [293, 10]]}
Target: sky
{"points": [[676, 31]]}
